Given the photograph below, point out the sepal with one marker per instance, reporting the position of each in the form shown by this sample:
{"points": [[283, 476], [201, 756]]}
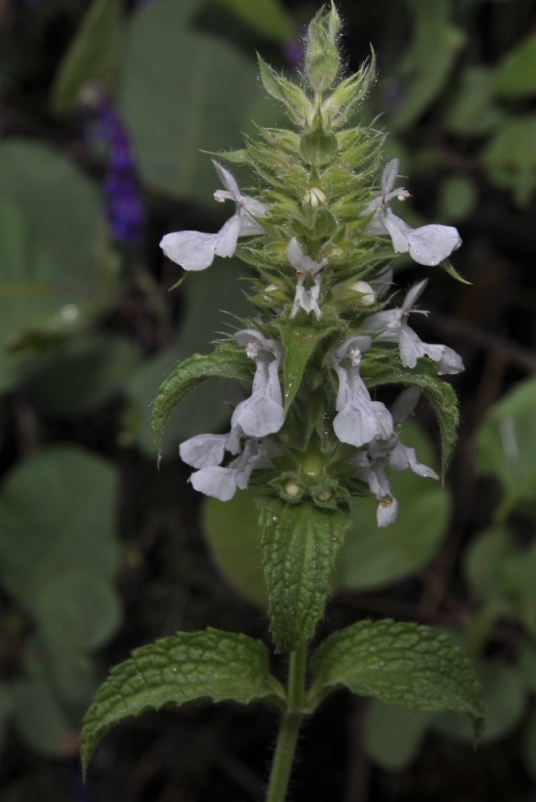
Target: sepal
{"points": [[299, 108], [322, 59]]}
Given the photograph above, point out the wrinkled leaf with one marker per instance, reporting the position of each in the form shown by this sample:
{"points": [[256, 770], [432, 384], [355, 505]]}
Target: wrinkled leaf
{"points": [[93, 54], [504, 702], [300, 343], [226, 362], [300, 543], [186, 667], [398, 663]]}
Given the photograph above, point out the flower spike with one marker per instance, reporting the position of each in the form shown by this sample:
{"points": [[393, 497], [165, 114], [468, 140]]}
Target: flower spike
{"points": [[194, 250], [306, 299]]}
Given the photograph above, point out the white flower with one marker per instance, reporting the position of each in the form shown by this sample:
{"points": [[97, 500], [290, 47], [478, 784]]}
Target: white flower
{"points": [[392, 327], [427, 245], [262, 413], [194, 250], [306, 299], [207, 451], [359, 419], [372, 460]]}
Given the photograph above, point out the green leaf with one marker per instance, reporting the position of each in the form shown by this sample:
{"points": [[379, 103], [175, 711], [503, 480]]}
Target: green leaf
{"points": [[58, 555], [504, 703], [186, 667], [300, 543], [181, 94], [439, 393], [267, 17], [430, 58], [84, 373], [54, 274], [527, 665], [232, 531], [516, 74], [484, 561], [93, 54], [226, 362], [300, 343], [472, 111], [458, 198], [373, 557], [506, 446], [393, 735], [39, 717], [398, 663], [510, 157], [297, 105]]}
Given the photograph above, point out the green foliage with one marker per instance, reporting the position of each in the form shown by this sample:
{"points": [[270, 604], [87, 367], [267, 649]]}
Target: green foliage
{"points": [[398, 663], [268, 17], [93, 55], [506, 444], [226, 362], [58, 556], [430, 58], [300, 544], [232, 531], [186, 667], [299, 343], [188, 82], [516, 75], [322, 59], [471, 110], [373, 557], [458, 198], [53, 278], [393, 735], [510, 157]]}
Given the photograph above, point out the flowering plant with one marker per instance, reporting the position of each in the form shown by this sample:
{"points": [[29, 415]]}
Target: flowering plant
{"points": [[318, 230]]}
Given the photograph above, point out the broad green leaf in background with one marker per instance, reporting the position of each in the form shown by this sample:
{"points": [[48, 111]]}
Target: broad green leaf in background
{"points": [[54, 272], [429, 59], [372, 557], [300, 543], [58, 555], [504, 703], [510, 157], [398, 663], [393, 735], [516, 74], [227, 361], [232, 531], [527, 665], [215, 303], [39, 716], [93, 55], [186, 667], [83, 373], [484, 561], [506, 445], [458, 198], [181, 93], [471, 110], [269, 17]]}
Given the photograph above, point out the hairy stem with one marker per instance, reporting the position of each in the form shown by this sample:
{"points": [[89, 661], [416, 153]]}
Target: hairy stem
{"points": [[289, 728]]}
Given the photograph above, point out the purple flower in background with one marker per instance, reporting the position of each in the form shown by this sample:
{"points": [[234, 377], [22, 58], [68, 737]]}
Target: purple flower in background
{"points": [[124, 200], [293, 50]]}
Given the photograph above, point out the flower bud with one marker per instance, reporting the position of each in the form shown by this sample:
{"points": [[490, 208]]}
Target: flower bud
{"points": [[322, 57], [367, 293], [314, 196]]}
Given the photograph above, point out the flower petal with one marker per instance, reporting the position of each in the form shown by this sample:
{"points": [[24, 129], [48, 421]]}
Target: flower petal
{"points": [[217, 482], [429, 245], [405, 404], [204, 450], [389, 176], [387, 511], [399, 231], [227, 236], [192, 250], [228, 180], [259, 415]]}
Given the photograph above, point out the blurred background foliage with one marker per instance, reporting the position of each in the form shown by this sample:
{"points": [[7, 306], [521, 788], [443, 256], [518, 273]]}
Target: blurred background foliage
{"points": [[105, 109]]}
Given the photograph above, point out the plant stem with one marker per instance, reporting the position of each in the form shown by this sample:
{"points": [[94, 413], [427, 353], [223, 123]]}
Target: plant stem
{"points": [[289, 728]]}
